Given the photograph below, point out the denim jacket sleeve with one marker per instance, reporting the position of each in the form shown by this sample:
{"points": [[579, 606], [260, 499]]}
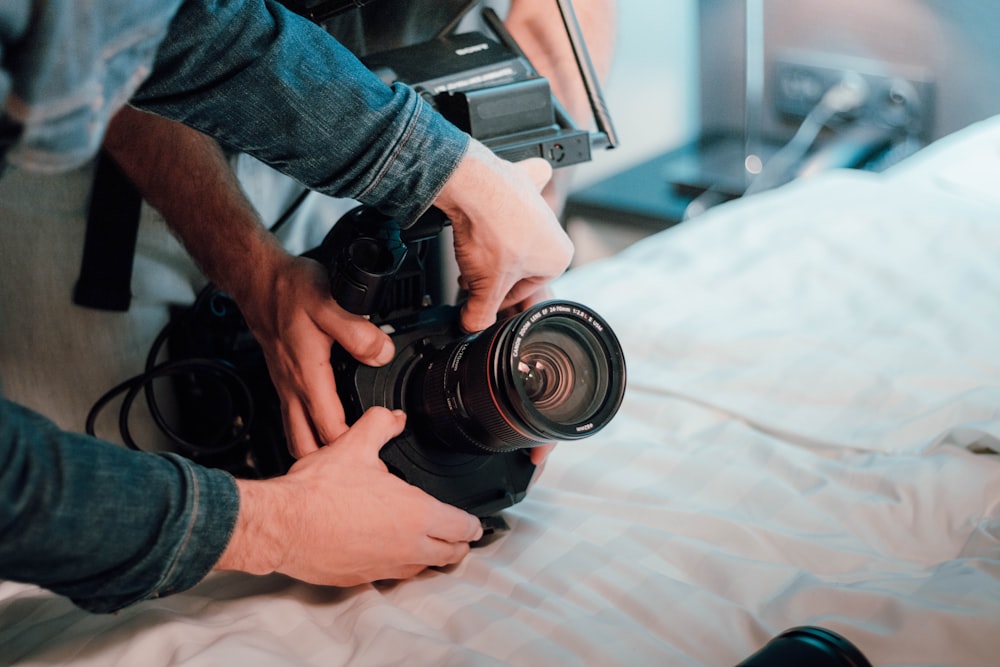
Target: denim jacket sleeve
{"points": [[101, 524], [267, 82]]}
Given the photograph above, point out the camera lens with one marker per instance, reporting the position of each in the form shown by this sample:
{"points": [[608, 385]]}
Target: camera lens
{"points": [[554, 372], [807, 645]]}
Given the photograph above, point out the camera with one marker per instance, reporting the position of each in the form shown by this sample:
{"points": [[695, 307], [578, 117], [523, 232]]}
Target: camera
{"points": [[489, 91], [807, 646], [485, 85], [475, 402]]}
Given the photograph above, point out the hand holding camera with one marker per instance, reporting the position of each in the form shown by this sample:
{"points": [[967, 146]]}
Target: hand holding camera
{"points": [[480, 394], [377, 527], [296, 323], [508, 242]]}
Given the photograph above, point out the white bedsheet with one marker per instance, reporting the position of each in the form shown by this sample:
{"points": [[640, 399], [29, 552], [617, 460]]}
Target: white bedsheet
{"points": [[811, 374]]}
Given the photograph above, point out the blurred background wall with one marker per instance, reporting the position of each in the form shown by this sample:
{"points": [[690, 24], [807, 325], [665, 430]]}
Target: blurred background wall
{"points": [[682, 70], [956, 43], [652, 92]]}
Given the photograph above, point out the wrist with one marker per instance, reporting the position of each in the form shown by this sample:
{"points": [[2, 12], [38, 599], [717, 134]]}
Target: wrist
{"points": [[257, 545], [483, 184], [476, 166], [252, 268]]}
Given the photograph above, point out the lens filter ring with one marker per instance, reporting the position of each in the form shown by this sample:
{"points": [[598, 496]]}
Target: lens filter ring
{"points": [[560, 370], [554, 372]]}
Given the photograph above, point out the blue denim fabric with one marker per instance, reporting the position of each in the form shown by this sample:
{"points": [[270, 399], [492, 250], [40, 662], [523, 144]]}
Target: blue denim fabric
{"points": [[101, 524], [76, 62], [269, 83]]}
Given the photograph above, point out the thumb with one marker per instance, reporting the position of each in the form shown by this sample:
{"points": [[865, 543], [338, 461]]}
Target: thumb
{"points": [[538, 170], [376, 427], [363, 340], [480, 311]]}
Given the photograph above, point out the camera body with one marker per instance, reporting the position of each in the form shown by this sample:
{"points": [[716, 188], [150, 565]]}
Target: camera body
{"points": [[479, 482], [476, 403]]}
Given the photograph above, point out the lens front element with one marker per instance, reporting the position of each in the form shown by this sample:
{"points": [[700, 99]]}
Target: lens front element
{"points": [[548, 378], [554, 372], [562, 370]]}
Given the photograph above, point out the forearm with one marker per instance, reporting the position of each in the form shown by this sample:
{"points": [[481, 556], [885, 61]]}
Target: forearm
{"points": [[186, 177]]}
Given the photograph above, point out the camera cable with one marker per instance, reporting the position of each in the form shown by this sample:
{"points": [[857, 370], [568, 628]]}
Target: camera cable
{"points": [[143, 383], [216, 368]]}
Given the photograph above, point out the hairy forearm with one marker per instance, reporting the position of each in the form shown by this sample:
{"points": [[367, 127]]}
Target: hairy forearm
{"points": [[185, 175]]}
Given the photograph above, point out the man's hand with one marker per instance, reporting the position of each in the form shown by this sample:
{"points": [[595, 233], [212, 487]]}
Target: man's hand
{"points": [[296, 322], [508, 242], [340, 518], [284, 299]]}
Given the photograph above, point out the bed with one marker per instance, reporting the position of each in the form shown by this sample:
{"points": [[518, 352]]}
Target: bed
{"points": [[810, 436]]}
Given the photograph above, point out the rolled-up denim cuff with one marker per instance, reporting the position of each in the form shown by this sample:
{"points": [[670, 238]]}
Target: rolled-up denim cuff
{"points": [[427, 153], [306, 106], [103, 525], [193, 538]]}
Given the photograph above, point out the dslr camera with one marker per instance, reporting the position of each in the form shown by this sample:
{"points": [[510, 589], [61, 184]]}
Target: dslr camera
{"points": [[475, 402]]}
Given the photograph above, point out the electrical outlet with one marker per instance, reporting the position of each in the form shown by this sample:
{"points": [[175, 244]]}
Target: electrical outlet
{"points": [[898, 97]]}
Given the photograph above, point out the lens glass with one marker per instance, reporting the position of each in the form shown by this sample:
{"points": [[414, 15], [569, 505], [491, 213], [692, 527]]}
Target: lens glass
{"points": [[562, 370], [551, 373]]}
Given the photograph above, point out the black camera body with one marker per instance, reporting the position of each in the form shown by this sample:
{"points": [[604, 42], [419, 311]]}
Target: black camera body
{"points": [[480, 482], [476, 403]]}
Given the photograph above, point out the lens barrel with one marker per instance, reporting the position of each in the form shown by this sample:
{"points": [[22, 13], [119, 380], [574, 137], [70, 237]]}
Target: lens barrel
{"points": [[807, 646], [552, 373]]}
